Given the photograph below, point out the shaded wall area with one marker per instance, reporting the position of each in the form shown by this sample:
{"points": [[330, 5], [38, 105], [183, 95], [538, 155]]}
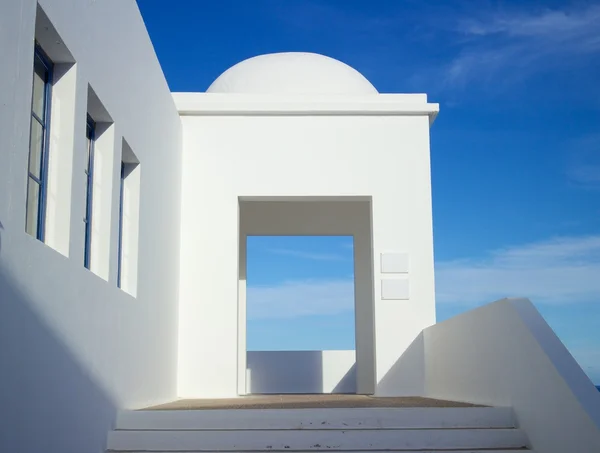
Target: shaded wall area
{"points": [[407, 376], [48, 399]]}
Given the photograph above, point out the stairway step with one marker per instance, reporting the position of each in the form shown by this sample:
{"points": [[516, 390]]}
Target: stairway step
{"points": [[487, 450], [290, 419], [316, 440]]}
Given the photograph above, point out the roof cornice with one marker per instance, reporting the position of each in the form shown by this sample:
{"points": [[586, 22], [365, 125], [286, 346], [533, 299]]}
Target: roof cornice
{"points": [[213, 104]]}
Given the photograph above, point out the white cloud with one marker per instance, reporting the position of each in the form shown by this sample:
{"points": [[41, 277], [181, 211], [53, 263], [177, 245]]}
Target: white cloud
{"points": [[505, 47], [558, 271], [315, 256], [555, 25], [301, 298]]}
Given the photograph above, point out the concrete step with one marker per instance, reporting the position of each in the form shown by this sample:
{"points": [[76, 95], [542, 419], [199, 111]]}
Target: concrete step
{"points": [[315, 440], [321, 419], [512, 450]]}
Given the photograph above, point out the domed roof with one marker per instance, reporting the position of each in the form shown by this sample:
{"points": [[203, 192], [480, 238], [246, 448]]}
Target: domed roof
{"points": [[292, 73]]}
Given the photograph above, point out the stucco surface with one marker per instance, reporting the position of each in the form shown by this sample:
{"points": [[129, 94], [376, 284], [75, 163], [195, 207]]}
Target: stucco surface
{"points": [[292, 73]]}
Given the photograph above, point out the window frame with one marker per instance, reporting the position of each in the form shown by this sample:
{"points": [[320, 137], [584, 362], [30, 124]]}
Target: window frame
{"points": [[120, 238], [89, 171], [42, 180]]}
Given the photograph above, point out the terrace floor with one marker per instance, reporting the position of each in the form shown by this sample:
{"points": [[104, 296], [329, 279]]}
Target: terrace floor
{"points": [[293, 401]]}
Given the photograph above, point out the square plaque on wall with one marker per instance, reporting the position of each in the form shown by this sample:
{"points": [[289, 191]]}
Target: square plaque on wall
{"points": [[394, 263], [396, 289]]}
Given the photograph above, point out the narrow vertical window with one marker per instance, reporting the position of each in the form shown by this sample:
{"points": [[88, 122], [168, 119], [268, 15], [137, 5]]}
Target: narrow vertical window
{"points": [[100, 181], [120, 243], [38, 144], [129, 221], [89, 171]]}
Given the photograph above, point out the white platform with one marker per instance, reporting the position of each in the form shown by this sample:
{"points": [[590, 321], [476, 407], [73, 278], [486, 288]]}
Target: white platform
{"points": [[355, 429]]}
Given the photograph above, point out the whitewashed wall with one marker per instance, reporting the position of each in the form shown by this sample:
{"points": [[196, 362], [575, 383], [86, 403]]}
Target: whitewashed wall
{"points": [[74, 348], [349, 153], [505, 354], [301, 372]]}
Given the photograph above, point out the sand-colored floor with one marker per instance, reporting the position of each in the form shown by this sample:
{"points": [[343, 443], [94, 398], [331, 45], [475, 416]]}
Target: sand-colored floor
{"points": [[305, 402]]}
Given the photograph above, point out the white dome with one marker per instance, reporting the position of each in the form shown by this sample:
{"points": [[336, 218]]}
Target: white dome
{"points": [[292, 73]]}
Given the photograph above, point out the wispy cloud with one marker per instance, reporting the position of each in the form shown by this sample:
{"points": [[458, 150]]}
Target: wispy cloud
{"points": [[552, 25], [303, 254], [586, 175], [301, 298], [558, 271], [511, 46], [583, 168]]}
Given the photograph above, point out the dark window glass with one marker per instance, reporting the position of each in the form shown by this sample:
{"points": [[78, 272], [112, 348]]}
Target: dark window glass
{"points": [[89, 172]]}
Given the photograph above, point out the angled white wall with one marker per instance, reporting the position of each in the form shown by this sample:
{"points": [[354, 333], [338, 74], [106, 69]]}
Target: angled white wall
{"points": [[75, 348], [505, 354]]}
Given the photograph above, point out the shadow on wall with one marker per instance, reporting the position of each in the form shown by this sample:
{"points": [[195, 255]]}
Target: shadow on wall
{"points": [[407, 376], [348, 382], [299, 372], [49, 402]]}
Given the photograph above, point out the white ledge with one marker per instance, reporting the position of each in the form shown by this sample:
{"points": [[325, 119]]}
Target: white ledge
{"points": [[216, 104]]}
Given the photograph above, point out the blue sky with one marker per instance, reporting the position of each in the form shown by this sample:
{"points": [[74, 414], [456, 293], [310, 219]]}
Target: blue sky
{"points": [[515, 149]]}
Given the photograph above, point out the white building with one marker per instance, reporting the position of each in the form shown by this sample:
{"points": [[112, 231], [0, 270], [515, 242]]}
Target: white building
{"points": [[124, 213]]}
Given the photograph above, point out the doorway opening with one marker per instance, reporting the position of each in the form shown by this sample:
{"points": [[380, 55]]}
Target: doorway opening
{"points": [[284, 370], [300, 314]]}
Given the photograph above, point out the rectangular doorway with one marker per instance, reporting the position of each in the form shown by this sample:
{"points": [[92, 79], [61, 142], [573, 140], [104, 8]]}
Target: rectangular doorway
{"points": [[300, 315]]}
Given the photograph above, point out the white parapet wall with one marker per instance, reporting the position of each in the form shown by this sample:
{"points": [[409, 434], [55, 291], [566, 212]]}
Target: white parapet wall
{"points": [[301, 372], [505, 354]]}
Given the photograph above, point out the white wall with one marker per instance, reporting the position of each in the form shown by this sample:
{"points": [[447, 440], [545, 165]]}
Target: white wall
{"points": [[301, 372], [504, 354], [349, 153], [74, 348]]}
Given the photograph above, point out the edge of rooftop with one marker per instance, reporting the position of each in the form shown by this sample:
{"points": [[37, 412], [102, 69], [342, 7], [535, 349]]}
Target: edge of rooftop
{"points": [[230, 104]]}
